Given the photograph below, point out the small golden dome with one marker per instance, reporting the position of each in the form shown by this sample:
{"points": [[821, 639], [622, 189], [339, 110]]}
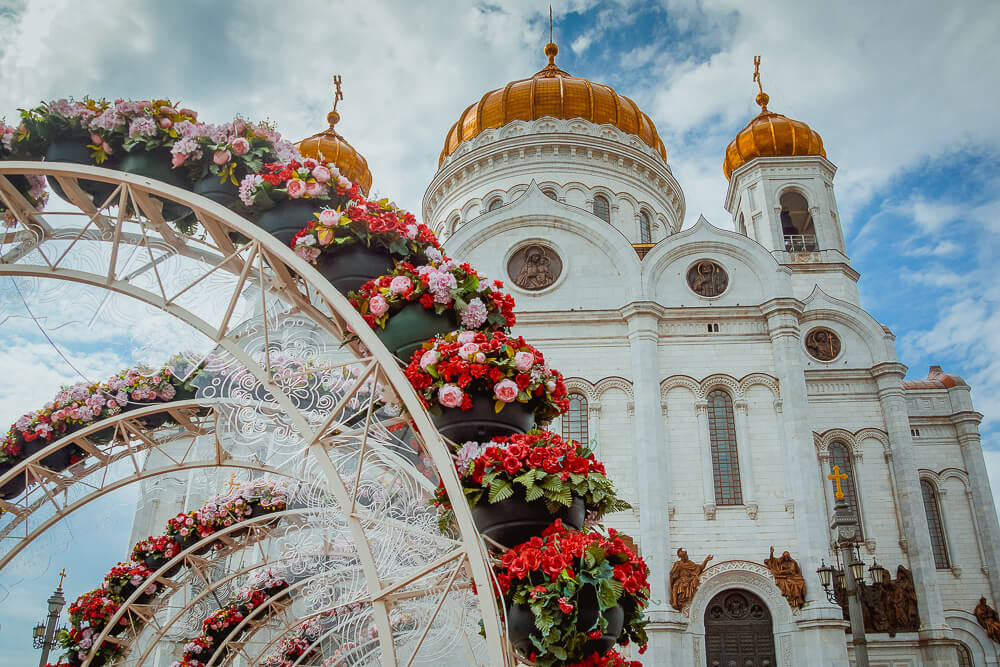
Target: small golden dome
{"points": [[771, 135], [328, 145], [552, 92]]}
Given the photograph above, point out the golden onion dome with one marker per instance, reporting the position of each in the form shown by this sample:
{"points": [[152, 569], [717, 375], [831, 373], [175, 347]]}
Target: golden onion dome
{"points": [[771, 135], [328, 145], [552, 92]]}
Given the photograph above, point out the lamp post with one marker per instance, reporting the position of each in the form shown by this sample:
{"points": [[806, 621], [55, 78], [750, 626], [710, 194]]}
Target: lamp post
{"points": [[43, 634], [845, 527]]}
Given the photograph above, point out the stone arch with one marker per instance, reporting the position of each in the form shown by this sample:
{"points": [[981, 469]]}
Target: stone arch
{"points": [[720, 381], [675, 381], [852, 440], [968, 631], [763, 379], [614, 382], [744, 575], [582, 386]]}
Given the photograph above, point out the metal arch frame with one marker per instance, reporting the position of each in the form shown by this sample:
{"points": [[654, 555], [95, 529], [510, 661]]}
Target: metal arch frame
{"points": [[339, 319]]}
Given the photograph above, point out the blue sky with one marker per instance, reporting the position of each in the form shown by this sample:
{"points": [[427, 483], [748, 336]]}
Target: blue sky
{"points": [[905, 101]]}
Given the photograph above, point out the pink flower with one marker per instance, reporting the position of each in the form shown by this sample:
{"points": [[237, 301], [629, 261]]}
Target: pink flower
{"points": [[450, 396], [401, 285], [468, 351], [296, 189], [329, 217], [221, 157], [378, 305], [429, 358], [506, 391], [523, 361], [321, 174], [166, 123], [178, 159], [96, 139], [410, 232], [241, 146], [466, 337], [315, 189]]}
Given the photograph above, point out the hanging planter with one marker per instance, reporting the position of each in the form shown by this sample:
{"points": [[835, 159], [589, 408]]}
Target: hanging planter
{"points": [[15, 486], [76, 151], [155, 164], [350, 266], [571, 594], [479, 386], [514, 520], [411, 305], [286, 217]]}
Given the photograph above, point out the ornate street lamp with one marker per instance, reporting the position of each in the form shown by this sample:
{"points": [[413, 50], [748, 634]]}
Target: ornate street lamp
{"points": [[43, 634], [879, 574]]}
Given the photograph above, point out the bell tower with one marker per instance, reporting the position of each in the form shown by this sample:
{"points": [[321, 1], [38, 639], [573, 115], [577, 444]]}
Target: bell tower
{"points": [[781, 187]]}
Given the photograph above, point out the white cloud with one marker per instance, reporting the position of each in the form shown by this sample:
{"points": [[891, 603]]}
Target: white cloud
{"points": [[580, 44]]}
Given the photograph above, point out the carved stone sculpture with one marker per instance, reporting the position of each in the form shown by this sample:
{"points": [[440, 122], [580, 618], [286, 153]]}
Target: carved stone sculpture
{"points": [[534, 267], [823, 344], [788, 577], [890, 607], [684, 579], [989, 619]]}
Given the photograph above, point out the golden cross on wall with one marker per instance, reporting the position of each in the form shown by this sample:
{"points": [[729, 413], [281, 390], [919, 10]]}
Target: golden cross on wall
{"points": [[233, 484], [62, 575], [338, 95], [837, 477]]}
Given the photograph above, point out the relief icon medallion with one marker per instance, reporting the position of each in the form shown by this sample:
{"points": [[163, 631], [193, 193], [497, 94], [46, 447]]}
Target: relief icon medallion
{"points": [[822, 344], [706, 278], [534, 267]]}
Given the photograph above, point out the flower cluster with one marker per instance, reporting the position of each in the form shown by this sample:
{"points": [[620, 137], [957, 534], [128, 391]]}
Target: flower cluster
{"points": [[31, 186], [89, 614], [230, 149], [68, 120], [125, 578], [303, 178], [227, 509], [541, 466], [449, 370], [446, 286], [547, 575], [159, 546], [373, 223], [78, 405], [612, 659]]}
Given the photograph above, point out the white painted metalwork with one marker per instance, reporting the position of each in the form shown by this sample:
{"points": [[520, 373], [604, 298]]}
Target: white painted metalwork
{"points": [[296, 385]]}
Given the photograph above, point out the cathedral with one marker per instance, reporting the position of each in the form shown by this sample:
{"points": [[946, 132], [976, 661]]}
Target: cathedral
{"points": [[721, 371]]}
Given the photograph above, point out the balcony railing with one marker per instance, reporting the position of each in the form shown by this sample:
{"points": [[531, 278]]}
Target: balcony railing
{"points": [[800, 243]]}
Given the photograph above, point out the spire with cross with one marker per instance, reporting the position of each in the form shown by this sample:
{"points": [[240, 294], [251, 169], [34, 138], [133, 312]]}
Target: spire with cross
{"points": [[762, 97], [62, 575]]}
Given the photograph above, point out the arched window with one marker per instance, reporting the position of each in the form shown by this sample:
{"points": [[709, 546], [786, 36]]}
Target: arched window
{"points": [[602, 209], [725, 461], [550, 193], [964, 656], [797, 223], [574, 421], [934, 525], [494, 204], [840, 456], [645, 228]]}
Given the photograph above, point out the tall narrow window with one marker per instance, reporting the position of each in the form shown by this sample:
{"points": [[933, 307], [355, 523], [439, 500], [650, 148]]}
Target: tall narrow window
{"points": [[840, 456], [725, 461], [494, 204], [574, 421], [645, 228], [934, 525], [964, 656], [602, 209]]}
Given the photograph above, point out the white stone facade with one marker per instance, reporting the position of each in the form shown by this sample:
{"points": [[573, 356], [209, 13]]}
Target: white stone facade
{"points": [[645, 350]]}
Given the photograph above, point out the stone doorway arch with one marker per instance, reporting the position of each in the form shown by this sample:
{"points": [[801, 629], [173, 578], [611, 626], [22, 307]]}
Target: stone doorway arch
{"points": [[739, 631]]}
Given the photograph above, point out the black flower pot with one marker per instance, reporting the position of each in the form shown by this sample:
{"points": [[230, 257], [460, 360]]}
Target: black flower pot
{"points": [[408, 329], [219, 191], [155, 562], [513, 521], [288, 217], [351, 265], [57, 461], [156, 164], [185, 541], [13, 487], [481, 422], [76, 152], [521, 624]]}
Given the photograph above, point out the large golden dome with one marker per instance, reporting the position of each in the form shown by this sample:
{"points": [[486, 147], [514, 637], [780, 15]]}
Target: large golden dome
{"points": [[771, 135], [330, 146], [552, 92]]}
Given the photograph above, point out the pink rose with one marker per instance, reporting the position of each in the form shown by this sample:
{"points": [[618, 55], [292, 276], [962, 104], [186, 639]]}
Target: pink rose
{"points": [[221, 157], [178, 159], [321, 174], [450, 396], [96, 139], [506, 391], [410, 232], [429, 358], [329, 217], [523, 361], [315, 189], [378, 305], [296, 189], [466, 337], [166, 123], [401, 285], [468, 351], [106, 147], [241, 146]]}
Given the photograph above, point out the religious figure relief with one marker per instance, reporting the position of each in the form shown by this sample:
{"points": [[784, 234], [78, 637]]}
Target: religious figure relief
{"points": [[534, 267], [890, 607], [684, 579], [788, 577], [822, 344], [707, 278], [988, 618]]}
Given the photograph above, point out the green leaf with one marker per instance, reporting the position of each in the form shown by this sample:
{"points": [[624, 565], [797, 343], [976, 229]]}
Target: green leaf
{"points": [[500, 489], [534, 492], [609, 592]]}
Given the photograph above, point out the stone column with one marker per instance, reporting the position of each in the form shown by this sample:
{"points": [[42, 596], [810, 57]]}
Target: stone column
{"points": [[707, 472], [820, 640], [740, 409], [984, 511], [649, 454], [934, 632], [594, 426]]}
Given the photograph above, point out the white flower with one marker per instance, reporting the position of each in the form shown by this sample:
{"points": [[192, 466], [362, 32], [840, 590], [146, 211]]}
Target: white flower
{"points": [[474, 314]]}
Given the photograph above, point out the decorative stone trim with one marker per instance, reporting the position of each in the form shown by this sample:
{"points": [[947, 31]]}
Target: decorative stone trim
{"points": [[736, 387]]}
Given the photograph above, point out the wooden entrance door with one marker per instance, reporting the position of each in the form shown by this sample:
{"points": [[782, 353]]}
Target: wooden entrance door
{"points": [[738, 631]]}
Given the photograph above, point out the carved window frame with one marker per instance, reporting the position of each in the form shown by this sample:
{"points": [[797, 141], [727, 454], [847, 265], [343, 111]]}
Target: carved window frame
{"points": [[852, 494], [645, 227], [726, 474], [575, 422], [936, 528], [602, 210]]}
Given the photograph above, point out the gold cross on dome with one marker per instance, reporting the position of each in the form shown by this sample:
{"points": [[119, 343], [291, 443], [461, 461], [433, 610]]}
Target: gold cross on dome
{"points": [[837, 477], [337, 96], [233, 484], [756, 73], [62, 575], [550, 24]]}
